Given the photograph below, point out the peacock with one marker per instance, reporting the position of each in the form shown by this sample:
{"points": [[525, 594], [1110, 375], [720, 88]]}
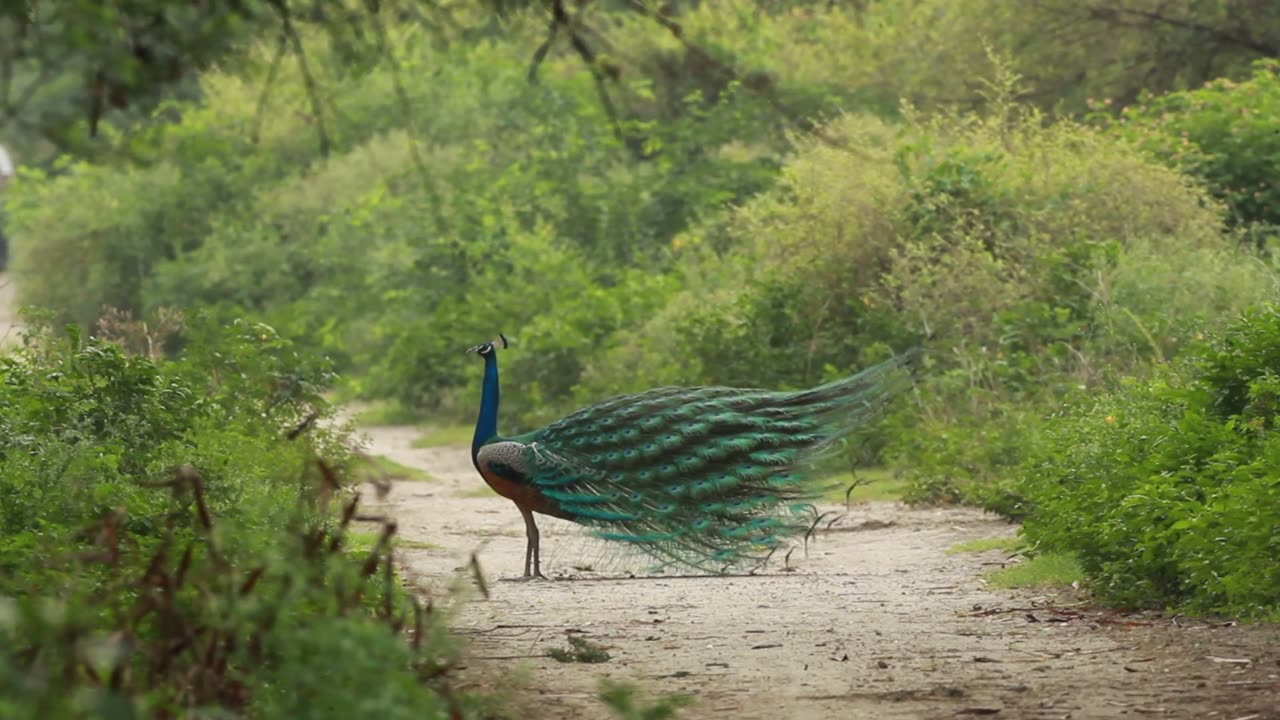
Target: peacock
{"points": [[709, 478]]}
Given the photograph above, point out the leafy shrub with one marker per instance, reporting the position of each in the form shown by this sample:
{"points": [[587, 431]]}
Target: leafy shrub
{"points": [[675, 245], [1030, 258], [621, 697], [458, 199], [1166, 489], [87, 426], [1227, 134], [167, 547], [870, 55], [182, 629], [447, 213]]}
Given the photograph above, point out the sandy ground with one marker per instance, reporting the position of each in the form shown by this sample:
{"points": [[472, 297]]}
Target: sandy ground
{"points": [[878, 621]]}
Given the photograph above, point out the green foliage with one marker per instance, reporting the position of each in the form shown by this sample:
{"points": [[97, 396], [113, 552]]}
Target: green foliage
{"points": [[87, 427], [392, 253], [1029, 258], [77, 73], [381, 468], [163, 548], [1227, 134], [621, 698], [753, 205], [444, 435], [1005, 544], [201, 634], [67, 66], [457, 199], [581, 650], [1075, 52], [1166, 489], [671, 235], [866, 485], [1043, 571]]}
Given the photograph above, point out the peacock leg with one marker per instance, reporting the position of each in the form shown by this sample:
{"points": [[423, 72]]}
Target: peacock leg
{"points": [[531, 554]]}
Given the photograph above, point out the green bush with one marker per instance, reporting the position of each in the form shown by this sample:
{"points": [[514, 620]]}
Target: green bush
{"points": [[1226, 134], [458, 200], [1166, 489], [873, 54], [717, 232], [88, 427], [1029, 258], [170, 541], [476, 203]]}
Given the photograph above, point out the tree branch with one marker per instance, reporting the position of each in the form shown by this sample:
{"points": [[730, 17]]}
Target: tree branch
{"points": [[402, 95], [308, 81], [43, 75], [1222, 35], [272, 73], [560, 17], [757, 82], [541, 53], [6, 81]]}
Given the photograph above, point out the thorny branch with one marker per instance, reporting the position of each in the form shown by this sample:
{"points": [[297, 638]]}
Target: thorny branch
{"points": [[193, 656]]}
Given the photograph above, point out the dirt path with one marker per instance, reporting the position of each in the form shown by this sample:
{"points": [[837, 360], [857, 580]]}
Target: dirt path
{"points": [[879, 621]]}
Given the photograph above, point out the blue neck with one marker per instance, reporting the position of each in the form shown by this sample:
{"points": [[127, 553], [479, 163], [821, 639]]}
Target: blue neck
{"points": [[487, 423]]}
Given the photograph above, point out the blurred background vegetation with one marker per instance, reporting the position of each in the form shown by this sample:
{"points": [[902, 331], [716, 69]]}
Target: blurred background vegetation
{"points": [[1072, 205]]}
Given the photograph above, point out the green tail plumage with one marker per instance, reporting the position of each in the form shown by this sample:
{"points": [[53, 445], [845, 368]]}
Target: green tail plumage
{"points": [[709, 477]]}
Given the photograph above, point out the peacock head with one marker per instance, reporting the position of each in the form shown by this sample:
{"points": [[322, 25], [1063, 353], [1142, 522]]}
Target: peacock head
{"points": [[488, 348]]}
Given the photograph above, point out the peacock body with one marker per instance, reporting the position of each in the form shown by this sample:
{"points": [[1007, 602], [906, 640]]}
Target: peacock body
{"points": [[711, 478]]}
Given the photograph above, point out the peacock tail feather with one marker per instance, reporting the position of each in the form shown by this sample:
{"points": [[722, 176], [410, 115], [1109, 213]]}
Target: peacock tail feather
{"points": [[708, 477]]}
